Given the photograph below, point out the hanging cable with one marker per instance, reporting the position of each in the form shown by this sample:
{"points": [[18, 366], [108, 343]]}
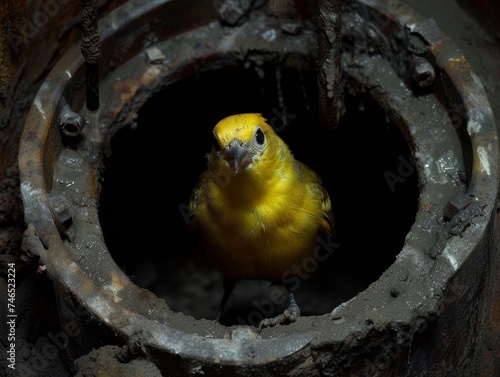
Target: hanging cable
{"points": [[91, 51], [331, 93]]}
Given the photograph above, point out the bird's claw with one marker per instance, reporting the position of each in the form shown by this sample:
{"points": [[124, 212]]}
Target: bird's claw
{"points": [[290, 315]]}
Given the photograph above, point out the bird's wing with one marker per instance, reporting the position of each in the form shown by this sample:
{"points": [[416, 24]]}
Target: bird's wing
{"points": [[198, 196], [317, 190]]}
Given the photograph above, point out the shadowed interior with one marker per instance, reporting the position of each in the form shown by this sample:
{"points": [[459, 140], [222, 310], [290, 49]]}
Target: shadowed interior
{"points": [[365, 164]]}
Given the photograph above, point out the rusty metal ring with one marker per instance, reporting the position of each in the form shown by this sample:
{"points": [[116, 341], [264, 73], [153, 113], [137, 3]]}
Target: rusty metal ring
{"points": [[432, 256]]}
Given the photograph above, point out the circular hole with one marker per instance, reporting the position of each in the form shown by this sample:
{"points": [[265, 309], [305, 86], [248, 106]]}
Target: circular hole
{"points": [[365, 164], [70, 129]]}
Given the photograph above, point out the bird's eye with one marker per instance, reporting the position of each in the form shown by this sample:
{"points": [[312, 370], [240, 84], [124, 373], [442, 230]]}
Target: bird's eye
{"points": [[259, 136]]}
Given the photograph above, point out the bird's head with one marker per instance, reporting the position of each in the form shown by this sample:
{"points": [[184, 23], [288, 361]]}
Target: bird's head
{"points": [[242, 140]]}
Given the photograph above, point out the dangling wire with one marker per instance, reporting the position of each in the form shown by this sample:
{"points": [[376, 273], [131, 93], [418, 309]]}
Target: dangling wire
{"points": [[91, 51], [331, 92]]}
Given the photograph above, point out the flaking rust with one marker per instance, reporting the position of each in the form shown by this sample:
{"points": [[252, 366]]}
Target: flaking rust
{"points": [[465, 218]]}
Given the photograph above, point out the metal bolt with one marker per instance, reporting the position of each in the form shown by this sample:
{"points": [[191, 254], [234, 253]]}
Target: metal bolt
{"points": [[421, 71], [71, 123]]}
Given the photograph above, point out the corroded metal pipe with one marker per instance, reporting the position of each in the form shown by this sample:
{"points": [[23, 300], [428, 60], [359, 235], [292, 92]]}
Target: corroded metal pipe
{"points": [[438, 282]]}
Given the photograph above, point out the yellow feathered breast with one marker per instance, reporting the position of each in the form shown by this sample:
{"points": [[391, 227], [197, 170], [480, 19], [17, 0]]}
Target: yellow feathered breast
{"points": [[258, 211]]}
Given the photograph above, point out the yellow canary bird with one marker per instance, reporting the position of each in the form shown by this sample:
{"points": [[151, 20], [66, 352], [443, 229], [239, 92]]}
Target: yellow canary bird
{"points": [[257, 210]]}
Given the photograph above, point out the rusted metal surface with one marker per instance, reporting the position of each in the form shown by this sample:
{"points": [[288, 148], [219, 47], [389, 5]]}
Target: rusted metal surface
{"points": [[394, 327], [490, 349], [91, 51], [34, 36], [330, 83]]}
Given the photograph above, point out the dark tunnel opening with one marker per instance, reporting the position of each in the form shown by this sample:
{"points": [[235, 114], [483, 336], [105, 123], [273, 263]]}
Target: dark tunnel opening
{"points": [[365, 164]]}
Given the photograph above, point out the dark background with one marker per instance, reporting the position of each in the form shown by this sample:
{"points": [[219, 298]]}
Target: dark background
{"points": [[155, 165]]}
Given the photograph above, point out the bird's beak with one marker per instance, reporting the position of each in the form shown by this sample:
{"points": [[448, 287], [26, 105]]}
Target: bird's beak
{"points": [[238, 156]]}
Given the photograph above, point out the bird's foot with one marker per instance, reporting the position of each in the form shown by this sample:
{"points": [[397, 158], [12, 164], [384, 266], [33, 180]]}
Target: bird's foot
{"points": [[290, 315]]}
